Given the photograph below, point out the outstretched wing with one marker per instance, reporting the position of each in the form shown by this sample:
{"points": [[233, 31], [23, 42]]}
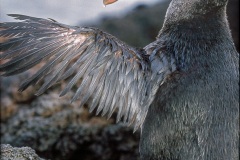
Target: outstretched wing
{"points": [[113, 75]]}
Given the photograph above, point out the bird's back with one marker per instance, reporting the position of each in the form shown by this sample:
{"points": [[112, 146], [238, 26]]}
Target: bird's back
{"points": [[194, 115]]}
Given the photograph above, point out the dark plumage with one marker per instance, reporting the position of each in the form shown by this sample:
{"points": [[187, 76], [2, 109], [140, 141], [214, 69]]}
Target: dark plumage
{"points": [[182, 89]]}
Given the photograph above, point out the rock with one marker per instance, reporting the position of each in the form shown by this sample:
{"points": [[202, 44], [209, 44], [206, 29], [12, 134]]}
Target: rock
{"points": [[57, 129], [13, 153]]}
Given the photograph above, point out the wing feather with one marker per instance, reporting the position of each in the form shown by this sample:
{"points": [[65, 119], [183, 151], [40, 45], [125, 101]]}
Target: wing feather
{"points": [[112, 75]]}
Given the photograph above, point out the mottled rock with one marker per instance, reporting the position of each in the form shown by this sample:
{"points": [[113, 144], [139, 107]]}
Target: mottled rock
{"points": [[57, 129], [14, 153]]}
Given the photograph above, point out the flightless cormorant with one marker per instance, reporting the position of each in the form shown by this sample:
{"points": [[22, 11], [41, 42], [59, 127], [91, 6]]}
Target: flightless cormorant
{"points": [[181, 90]]}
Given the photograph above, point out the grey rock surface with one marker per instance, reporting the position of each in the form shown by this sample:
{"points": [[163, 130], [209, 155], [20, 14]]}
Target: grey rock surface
{"points": [[57, 129], [14, 153]]}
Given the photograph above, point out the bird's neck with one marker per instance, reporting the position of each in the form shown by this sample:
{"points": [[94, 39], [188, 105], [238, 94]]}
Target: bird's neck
{"points": [[187, 10], [207, 27], [191, 37], [194, 13]]}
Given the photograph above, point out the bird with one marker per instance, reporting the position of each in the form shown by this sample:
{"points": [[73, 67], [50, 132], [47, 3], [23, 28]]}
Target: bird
{"points": [[181, 90]]}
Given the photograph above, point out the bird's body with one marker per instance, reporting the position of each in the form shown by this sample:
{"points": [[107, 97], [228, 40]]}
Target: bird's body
{"points": [[185, 83], [195, 112]]}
